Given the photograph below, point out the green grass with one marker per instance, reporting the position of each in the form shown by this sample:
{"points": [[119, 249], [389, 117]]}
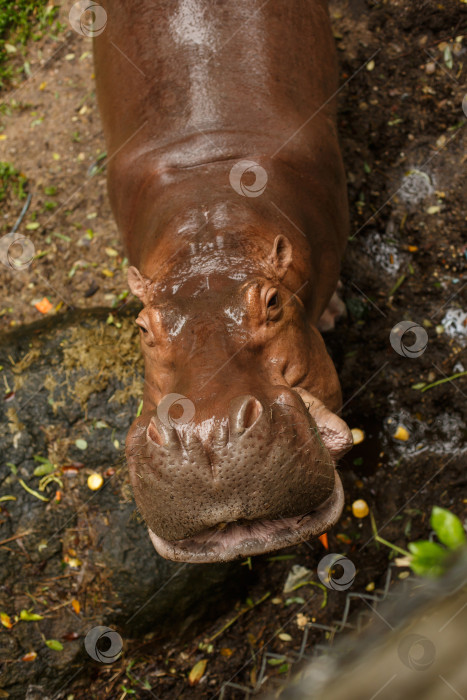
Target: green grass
{"points": [[20, 21], [11, 181]]}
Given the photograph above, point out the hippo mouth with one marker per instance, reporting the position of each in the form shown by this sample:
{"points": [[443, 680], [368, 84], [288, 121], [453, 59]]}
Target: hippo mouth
{"points": [[234, 540]]}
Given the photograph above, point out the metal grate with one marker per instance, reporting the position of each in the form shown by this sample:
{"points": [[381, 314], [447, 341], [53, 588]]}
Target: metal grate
{"points": [[325, 648]]}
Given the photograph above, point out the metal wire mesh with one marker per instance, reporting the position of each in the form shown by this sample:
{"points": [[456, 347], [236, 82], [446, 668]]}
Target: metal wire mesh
{"points": [[348, 621]]}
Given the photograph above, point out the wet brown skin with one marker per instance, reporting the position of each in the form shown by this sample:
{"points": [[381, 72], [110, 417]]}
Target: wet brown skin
{"points": [[233, 286]]}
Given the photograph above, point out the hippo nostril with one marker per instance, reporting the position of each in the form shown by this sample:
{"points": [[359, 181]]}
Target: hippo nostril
{"points": [[153, 433], [244, 412]]}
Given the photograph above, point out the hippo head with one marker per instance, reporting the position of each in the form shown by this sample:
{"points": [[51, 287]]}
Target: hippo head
{"points": [[234, 453]]}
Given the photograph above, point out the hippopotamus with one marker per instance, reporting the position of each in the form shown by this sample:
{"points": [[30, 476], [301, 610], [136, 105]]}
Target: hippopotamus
{"points": [[227, 185]]}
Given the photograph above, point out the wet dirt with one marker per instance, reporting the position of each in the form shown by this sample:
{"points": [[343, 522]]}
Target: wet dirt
{"points": [[403, 136]]}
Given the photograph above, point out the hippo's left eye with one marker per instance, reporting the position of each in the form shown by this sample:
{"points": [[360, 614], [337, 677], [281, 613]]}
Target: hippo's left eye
{"points": [[272, 304], [273, 301], [141, 326]]}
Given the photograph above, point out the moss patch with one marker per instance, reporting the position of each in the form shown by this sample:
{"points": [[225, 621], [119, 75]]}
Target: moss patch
{"points": [[104, 354]]}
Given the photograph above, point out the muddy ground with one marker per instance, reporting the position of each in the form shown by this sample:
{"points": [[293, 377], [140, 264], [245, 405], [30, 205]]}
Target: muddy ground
{"points": [[403, 67]]}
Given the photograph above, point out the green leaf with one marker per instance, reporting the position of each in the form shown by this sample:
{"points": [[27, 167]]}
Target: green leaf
{"points": [[448, 527], [276, 662], [447, 55], [291, 601], [29, 617], [428, 558], [43, 469], [54, 644]]}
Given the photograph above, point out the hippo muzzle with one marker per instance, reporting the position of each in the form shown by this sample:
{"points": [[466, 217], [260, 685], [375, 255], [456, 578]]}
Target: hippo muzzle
{"points": [[261, 478]]}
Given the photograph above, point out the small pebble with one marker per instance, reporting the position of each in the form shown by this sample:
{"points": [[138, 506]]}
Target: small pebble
{"points": [[360, 508], [430, 68], [95, 481]]}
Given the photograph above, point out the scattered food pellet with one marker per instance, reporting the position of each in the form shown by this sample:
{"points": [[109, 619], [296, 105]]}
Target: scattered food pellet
{"points": [[283, 636], [360, 508], [276, 601], [370, 65], [370, 587], [197, 672], [81, 444], [324, 540], [6, 620], [302, 620], [111, 252], [430, 68], [95, 481], [43, 306], [73, 562], [401, 433], [343, 538], [357, 435]]}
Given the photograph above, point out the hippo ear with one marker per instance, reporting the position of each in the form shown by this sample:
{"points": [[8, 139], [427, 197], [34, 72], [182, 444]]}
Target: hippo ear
{"points": [[139, 284], [281, 256]]}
